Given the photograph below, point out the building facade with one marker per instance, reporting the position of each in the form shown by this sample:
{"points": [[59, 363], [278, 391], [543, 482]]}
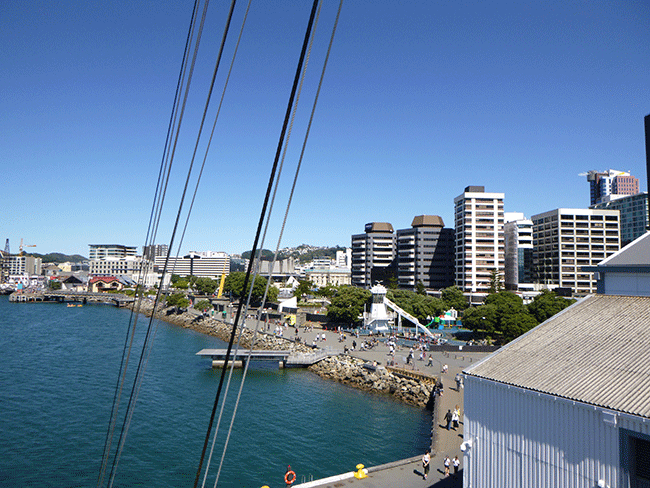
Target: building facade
{"points": [[153, 251], [566, 404], [567, 239], [634, 214], [111, 251], [206, 264], [373, 255], [425, 254], [479, 240], [329, 276], [611, 182], [23, 265], [518, 244]]}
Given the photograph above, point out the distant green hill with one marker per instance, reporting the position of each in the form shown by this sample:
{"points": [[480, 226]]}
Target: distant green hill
{"points": [[57, 257], [303, 253]]}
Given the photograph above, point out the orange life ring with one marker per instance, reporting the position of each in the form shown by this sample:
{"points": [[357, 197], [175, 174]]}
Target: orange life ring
{"points": [[289, 474]]}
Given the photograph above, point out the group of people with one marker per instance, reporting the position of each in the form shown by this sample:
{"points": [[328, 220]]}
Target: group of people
{"points": [[447, 463], [453, 418]]}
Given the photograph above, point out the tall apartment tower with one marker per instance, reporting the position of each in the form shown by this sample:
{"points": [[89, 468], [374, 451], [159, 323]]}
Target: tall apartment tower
{"points": [[611, 182], [425, 253], [567, 239], [479, 238], [373, 255], [518, 241]]}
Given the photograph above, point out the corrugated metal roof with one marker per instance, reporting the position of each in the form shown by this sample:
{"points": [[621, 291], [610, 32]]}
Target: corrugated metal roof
{"points": [[596, 351], [635, 253]]}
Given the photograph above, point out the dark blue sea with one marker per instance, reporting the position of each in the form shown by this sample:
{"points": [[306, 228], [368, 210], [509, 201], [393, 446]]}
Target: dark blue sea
{"points": [[58, 371]]}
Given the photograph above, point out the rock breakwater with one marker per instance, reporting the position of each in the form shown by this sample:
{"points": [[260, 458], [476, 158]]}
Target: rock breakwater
{"points": [[344, 369], [360, 374]]}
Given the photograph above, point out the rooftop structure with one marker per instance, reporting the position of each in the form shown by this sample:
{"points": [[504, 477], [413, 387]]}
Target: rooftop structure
{"points": [[567, 403], [610, 182]]}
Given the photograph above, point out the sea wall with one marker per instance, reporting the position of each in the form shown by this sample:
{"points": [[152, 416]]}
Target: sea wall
{"points": [[209, 325], [344, 369]]}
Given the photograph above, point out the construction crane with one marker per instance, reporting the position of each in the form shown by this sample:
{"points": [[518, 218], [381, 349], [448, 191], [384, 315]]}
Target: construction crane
{"points": [[24, 245]]}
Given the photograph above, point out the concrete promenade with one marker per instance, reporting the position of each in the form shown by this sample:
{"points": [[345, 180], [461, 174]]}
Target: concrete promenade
{"points": [[407, 473]]}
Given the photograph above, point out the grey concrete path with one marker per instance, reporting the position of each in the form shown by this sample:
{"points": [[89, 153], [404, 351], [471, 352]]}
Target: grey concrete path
{"points": [[406, 473]]}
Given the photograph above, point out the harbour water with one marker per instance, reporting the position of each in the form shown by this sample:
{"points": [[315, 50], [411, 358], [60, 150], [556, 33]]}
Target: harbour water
{"points": [[58, 371]]}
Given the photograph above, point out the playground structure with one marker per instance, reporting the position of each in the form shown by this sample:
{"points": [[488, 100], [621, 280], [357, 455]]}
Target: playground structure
{"points": [[378, 319]]}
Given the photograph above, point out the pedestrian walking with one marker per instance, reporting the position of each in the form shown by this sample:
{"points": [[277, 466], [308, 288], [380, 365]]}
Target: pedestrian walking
{"points": [[447, 464], [426, 460], [455, 417], [457, 382], [456, 463], [448, 417]]}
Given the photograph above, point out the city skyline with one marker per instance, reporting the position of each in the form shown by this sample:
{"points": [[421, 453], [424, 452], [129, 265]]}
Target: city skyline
{"points": [[419, 101]]}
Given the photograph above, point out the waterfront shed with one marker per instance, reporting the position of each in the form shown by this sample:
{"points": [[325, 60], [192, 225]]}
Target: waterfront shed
{"points": [[565, 405]]}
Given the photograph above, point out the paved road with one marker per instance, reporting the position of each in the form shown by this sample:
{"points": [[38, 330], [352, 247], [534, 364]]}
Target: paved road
{"points": [[406, 473]]}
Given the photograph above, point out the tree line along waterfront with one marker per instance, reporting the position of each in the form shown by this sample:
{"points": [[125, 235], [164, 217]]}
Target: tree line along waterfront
{"points": [[501, 317]]}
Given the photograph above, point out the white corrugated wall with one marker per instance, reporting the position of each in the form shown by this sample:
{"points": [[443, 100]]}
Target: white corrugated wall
{"points": [[525, 439]]}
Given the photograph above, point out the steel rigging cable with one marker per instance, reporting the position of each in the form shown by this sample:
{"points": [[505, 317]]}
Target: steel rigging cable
{"points": [[257, 235]]}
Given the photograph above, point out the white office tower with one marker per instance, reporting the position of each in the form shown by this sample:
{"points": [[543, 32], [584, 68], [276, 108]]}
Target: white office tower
{"points": [[566, 240], [518, 242], [479, 238]]}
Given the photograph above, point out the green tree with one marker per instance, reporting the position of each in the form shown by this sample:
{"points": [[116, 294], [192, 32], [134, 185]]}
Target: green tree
{"points": [[205, 286], [347, 305], [515, 324], [304, 288], [420, 289], [495, 281], [547, 304], [177, 300], [234, 283], [420, 306], [326, 291], [482, 319], [453, 297], [203, 305]]}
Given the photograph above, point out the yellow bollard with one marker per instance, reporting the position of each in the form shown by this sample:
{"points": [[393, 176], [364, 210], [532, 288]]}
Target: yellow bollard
{"points": [[359, 474]]}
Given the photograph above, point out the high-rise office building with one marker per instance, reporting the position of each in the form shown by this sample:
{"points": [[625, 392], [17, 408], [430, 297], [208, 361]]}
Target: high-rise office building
{"points": [[518, 241], [634, 214], [567, 239], [373, 255], [153, 251], [611, 182], [479, 238], [425, 254]]}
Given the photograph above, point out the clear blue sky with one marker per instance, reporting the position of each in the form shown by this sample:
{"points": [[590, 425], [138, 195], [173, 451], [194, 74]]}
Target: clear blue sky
{"points": [[420, 100]]}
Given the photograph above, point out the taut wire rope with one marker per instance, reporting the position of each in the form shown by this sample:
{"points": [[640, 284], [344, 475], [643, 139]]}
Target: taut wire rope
{"points": [[257, 235], [148, 340], [257, 322], [133, 318]]}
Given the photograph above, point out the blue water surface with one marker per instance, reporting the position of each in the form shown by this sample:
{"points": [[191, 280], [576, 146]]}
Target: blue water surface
{"points": [[58, 373]]}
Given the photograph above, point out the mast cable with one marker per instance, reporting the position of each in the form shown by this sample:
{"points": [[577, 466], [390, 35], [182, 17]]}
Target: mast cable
{"points": [[133, 321], [247, 362], [257, 235]]}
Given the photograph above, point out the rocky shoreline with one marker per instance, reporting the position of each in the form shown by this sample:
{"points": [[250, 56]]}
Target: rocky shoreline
{"points": [[344, 369]]}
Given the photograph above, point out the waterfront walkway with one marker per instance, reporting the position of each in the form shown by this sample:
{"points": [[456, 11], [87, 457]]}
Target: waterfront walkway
{"points": [[406, 473]]}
